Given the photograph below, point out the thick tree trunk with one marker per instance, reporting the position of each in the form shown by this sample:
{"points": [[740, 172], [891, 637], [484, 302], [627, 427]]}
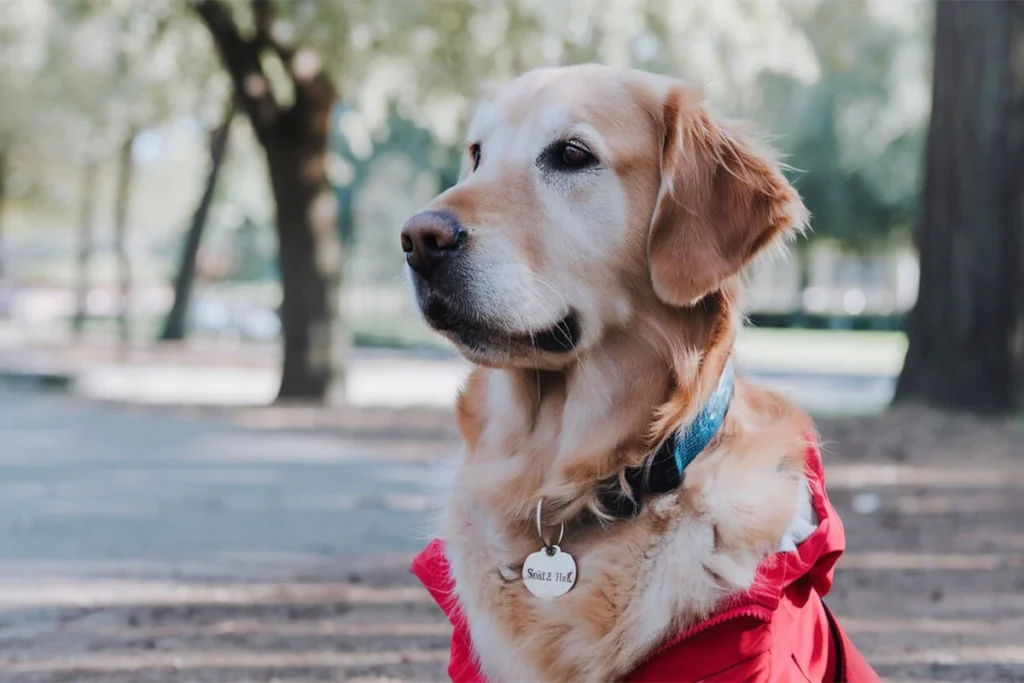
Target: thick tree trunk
{"points": [[177, 318], [125, 172], [309, 259], [294, 137], [87, 202], [966, 333]]}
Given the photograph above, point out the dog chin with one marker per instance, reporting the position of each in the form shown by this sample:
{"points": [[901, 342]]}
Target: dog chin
{"points": [[494, 344], [502, 356]]}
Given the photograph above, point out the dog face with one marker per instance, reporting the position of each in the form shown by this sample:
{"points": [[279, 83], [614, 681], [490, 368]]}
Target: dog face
{"points": [[590, 196]]}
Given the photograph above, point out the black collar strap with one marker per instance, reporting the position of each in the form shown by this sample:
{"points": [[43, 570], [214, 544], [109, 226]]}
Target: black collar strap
{"points": [[663, 471]]}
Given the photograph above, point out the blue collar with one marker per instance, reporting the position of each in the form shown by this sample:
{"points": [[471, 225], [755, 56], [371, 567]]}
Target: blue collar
{"points": [[698, 434], [664, 469]]}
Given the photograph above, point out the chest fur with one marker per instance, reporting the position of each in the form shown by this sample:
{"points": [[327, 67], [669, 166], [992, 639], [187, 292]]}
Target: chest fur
{"points": [[638, 582]]}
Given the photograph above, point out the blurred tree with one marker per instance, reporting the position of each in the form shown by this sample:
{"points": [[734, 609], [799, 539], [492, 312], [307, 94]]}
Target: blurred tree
{"points": [[86, 239], [966, 332], [4, 155], [125, 172], [112, 71], [253, 261], [350, 169], [20, 61], [852, 142], [290, 116], [175, 323]]}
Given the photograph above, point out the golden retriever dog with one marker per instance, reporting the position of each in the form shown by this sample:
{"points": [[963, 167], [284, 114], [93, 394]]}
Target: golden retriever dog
{"points": [[588, 263]]}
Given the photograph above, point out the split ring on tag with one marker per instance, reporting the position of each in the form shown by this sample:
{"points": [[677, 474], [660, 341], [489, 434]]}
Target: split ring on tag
{"points": [[549, 572], [540, 530]]}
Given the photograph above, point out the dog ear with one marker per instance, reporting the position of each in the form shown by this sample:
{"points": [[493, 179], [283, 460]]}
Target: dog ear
{"points": [[722, 200]]}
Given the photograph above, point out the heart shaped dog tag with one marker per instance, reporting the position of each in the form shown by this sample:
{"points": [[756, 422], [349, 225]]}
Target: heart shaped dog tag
{"points": [[549, 573]]}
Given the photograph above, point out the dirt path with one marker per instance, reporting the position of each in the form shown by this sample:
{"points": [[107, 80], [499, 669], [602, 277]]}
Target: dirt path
{"points": [[137, 545], [932, 585]]}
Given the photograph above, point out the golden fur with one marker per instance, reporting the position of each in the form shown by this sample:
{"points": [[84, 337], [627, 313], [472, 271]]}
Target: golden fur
{"points": [[680, 204]]}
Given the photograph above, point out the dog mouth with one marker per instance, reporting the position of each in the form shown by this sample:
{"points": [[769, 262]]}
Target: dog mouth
{"points": [[475, 335]]}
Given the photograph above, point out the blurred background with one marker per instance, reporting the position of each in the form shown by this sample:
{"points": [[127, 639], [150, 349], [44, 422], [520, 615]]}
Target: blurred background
{"points": [[220, 413]]}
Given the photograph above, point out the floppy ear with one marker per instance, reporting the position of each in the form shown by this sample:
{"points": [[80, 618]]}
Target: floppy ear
{"points": [[722, 199]]}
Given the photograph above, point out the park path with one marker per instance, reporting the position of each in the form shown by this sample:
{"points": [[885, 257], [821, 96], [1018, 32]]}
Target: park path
{"points": [[154, 544]]}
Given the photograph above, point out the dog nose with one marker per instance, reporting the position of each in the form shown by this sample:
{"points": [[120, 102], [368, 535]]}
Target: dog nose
{"points": [[429, 237]]}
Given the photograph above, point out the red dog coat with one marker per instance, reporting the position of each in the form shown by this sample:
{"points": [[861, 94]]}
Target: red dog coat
{"points": [[779, 631]]}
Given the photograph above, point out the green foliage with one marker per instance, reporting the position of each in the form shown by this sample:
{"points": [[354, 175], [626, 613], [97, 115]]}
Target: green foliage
{"points": [[78, 77], [117, 68], [853, 141], [399, 135], [253, 262]]}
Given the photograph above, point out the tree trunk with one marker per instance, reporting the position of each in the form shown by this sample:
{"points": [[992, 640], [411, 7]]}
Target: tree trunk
{"points": [[294, 138], [309, 258], [3, 196], [175, 324], [125, 171], [966, 333], [87, 202], [802, 253]]}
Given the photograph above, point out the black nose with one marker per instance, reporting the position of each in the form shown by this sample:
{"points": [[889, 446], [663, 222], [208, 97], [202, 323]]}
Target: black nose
{"points": [[428, 238]]}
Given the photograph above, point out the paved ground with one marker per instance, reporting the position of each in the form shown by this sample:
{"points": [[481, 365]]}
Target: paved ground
{"points": [[136, 545], [148, 544]]}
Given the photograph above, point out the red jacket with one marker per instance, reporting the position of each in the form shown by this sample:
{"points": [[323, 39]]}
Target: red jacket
{"points": [[779, 631]]}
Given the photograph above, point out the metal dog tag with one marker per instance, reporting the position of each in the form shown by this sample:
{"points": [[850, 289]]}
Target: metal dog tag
{"points": [[549, 573]]}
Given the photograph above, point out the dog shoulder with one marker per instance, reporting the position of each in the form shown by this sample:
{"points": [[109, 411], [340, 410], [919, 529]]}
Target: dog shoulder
{"points": [[751, 488]]}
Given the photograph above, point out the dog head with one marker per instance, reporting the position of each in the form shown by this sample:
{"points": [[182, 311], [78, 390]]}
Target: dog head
{"points": [[590, 196]]}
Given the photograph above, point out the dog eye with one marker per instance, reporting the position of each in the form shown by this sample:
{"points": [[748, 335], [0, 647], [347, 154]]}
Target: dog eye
{"points": [[569, 155], [474, 153]]}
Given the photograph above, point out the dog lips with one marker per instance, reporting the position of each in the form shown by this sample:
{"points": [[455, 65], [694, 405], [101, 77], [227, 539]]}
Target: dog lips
{"points": [[549, 573]]}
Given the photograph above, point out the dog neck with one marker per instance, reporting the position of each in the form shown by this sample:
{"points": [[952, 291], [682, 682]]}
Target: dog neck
{"points": [[555, 435], [624, 495]]}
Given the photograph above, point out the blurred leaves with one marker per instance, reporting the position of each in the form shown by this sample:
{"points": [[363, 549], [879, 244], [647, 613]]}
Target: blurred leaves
{"points": [[842, 84], [855, 135], [87, 73]]}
